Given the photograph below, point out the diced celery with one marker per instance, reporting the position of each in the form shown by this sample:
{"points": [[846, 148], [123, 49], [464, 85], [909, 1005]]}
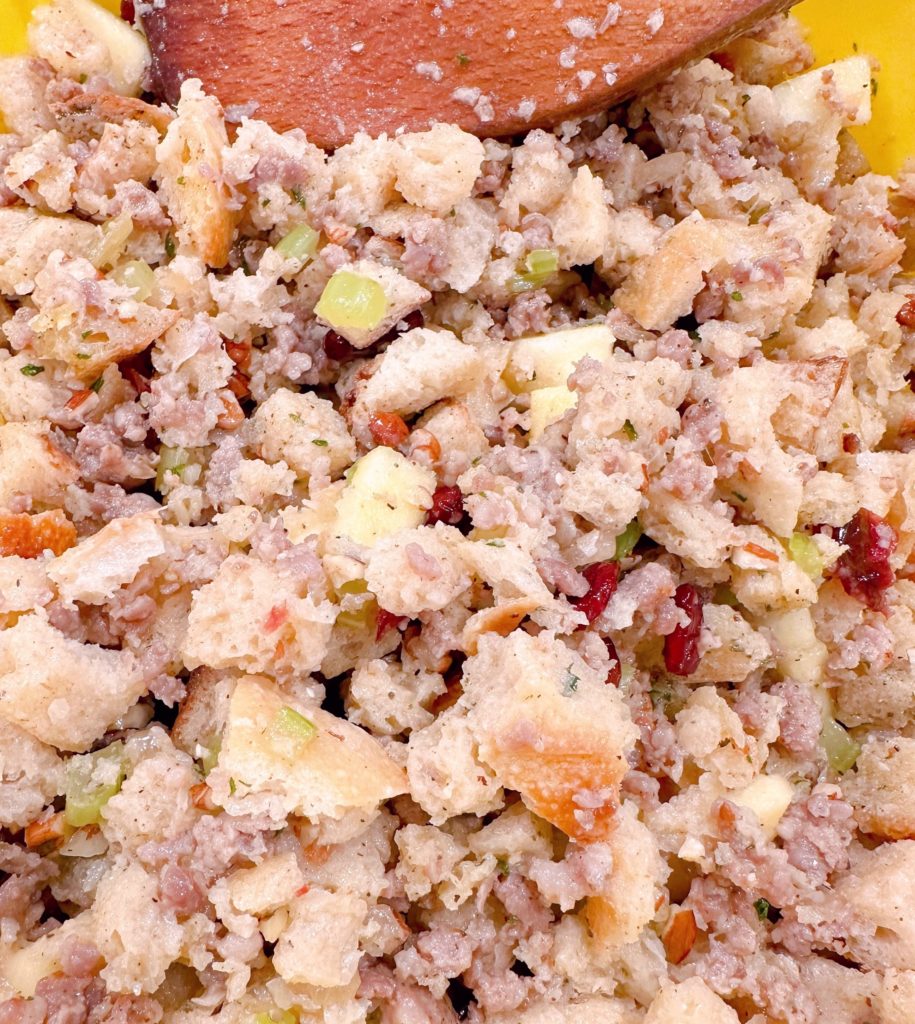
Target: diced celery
{"points": [[92, 780], [276, 1017], [288, 722], [138, 275], [353, 587], [806, 554], [540, 266], [300, 244], [171, 460], [627, 540], [841, 749], [352, 301], [542, 261], [211, 755]]}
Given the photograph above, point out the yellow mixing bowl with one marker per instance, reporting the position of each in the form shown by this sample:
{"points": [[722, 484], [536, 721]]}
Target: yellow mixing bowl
{"points": [[881, 28]]}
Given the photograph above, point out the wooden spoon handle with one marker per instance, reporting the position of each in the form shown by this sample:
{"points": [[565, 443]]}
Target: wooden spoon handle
{"points": [[334, 67]]}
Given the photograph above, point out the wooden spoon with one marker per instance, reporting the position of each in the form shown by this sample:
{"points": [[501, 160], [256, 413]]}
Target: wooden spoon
{"points": [[334, 67]]}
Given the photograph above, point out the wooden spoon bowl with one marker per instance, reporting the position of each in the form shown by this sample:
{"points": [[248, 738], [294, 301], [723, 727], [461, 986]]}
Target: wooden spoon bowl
{"points": [[335, 67]]}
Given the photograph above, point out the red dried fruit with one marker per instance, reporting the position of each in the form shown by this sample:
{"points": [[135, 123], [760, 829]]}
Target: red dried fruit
{"points": [[615, 671], [412, 321], [864, 569], [128, 13], [387, 428], [385, 621], [723, 60], [447, 506], [603, 578], [338, 348], [851, 444], [681, 647], [906, 315]]}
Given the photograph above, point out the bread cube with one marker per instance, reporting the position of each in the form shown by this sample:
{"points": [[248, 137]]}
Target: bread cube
{"points": [[690, 1002], [189, 176], [550, 729], [880, 789], [28, 238], [304, 431], [32, 466], [436, 169], [320, 947], [96, 568], [63, 692], [269, 885], [338, 769], [31, 775], [251, 618]]}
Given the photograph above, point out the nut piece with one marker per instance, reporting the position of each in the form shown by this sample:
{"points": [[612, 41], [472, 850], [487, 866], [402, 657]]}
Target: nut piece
{"points": [[680, 936]]}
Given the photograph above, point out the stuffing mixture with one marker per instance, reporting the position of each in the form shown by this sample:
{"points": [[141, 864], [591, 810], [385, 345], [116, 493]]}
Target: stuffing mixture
{"points": [[454, 580]]}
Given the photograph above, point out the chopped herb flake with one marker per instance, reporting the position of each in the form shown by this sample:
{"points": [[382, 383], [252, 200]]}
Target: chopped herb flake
{"points": [[85, 334], [874, 87], [320, 442], [181, 180], [169, 246], [462, 59], [737, 296], [82, 355], [739, 496], [503, 865], [570, 682], [295, 417], [495, 543], [630, 431], [694, 336], [232, 787], [31, 370], [298, 196], [96, 385], [762, 909]]}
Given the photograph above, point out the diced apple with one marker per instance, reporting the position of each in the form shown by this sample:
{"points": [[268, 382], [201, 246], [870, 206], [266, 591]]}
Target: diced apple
{"points": [[104, 43], [328, 770], [384, 493], [768, 796], [841, 90], [800, 654], [547, 406], [546, 360]]}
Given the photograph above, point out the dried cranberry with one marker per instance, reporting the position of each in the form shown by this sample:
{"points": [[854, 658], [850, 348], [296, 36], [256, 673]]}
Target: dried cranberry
{"points": [[615, 671], [128, 13], [385, 621], [681, 648], [906, 315], [389, 429], [851, 444], [339, 349], [602, 578], [447, 506], [723, 60], [864, 569], [413, 321]]}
